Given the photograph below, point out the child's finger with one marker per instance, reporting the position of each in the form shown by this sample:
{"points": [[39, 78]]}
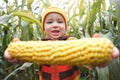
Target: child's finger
{"points": [[9, 58], [96, 35], [115, 53], [7, 55], [15, 40], [13, 60]]}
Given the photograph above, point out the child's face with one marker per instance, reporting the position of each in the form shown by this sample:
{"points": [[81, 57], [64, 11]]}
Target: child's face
{"points": [[54, 26]]}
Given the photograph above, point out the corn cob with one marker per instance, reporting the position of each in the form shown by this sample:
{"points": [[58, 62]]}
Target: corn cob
{"points": [[86, 51]]}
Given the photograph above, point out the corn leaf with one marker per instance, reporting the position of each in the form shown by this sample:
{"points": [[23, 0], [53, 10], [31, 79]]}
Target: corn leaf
{"points": [[4, 19], [23, 67], [24, 30], [114, 70], [27, 16], [29, 3], [81, 8], [103, 73], [91, 17], [117, 7]]}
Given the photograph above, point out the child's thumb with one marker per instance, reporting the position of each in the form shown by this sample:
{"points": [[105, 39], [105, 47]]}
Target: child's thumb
{"points": [[7, 55], [15, 40], [96, 35]]}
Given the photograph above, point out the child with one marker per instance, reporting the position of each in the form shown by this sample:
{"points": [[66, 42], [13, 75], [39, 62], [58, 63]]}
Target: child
{"points": [[54, 24]]}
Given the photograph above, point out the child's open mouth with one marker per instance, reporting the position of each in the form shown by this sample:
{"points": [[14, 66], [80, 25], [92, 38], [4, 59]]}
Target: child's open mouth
{"points": [[55, 32]]}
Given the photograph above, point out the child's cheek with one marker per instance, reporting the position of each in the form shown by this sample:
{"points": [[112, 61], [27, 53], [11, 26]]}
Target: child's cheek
{"points": [[63, 31], [47, 32]]}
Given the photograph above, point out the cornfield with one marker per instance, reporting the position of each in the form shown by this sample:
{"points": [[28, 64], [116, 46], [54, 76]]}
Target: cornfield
{"points": [[22, 19]]}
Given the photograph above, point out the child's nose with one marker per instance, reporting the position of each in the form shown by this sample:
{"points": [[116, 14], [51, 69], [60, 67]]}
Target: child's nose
{"points": [[55, 25]]}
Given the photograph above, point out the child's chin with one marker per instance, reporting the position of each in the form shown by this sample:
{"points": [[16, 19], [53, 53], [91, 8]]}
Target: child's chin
{"points": [[55, 37]]}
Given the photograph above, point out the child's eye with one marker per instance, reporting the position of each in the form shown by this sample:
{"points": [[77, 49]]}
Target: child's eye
{"points": [[49, 22], [60, 21]]}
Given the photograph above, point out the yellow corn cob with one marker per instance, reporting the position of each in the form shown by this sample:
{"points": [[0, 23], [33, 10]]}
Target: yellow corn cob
{"points": [[86, 51]]}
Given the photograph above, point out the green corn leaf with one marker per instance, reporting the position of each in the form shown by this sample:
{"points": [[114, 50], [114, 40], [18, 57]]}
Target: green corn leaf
{"points": [[24, 30], [103, 73], [29, 3], [30, 31], [117, 7], [91, 17], [114, 69], [104, 4], [81, 8], [5, 39], [23, 67], [4, 19], [10, 9], [27, 16]]}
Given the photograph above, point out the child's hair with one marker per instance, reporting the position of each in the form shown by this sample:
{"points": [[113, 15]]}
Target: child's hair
{"points": [[53, 9]]}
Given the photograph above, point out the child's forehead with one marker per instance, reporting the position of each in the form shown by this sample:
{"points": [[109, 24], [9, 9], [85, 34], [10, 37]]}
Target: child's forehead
{"points": [[53, 14]]}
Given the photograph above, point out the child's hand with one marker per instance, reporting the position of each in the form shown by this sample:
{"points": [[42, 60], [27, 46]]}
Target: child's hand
{"points": [[7, 55], [114, 55]]}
